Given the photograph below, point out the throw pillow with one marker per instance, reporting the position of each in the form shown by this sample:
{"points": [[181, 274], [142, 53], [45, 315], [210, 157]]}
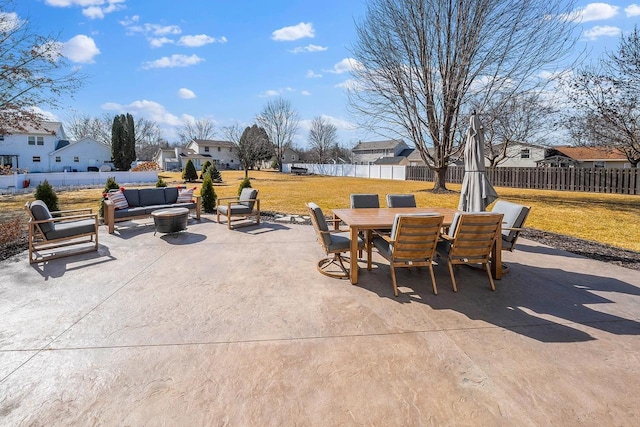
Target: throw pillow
{"points": [[118, 199], [185, 196]]}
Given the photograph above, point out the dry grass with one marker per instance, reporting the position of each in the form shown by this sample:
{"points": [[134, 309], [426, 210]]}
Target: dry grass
{"points": [[605, 218]]}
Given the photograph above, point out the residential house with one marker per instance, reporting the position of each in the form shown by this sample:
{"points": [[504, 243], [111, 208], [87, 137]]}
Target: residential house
{"points": [[365, 153], [584, 157], [220, 153], [46, 148], [290, 155], [520, 154]]}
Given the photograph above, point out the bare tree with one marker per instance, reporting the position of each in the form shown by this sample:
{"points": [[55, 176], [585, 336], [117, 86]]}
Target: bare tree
{"points": [[199, 129], [99, 128], [254, 147], [33, 73], [323, 138], [417, 62], [606, 101], [281, 122]]}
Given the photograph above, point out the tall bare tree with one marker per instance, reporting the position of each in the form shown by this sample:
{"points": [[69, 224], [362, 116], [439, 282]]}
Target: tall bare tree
{"points": [[606, 101], [254, 147], [33, 73], [417, 62], [80, 126], [198, 129], [323, 137], [281, 122]]}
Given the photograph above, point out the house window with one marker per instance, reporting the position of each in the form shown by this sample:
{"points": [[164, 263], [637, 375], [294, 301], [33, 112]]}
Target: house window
{"points": [[525, 153], [219, 149], [1, 137], [58, 159], [206, 149], [40, 140], [598, 164], [36, 159], [32, 140], [76, 159]]}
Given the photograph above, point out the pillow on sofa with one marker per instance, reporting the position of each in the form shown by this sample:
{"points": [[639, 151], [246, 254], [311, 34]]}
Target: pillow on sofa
{"points": [[118, 199], [185, 196]]}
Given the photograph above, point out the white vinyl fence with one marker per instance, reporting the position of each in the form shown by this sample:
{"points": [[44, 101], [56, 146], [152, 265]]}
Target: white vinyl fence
{"points": [[360, 171], [74, 179]]}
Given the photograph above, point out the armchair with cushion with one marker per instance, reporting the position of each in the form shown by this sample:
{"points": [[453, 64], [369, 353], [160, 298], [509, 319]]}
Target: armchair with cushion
{"points": [[52, 230], [512, 223], [412, 243], [334, 242], [245, 206], [470, 241]]}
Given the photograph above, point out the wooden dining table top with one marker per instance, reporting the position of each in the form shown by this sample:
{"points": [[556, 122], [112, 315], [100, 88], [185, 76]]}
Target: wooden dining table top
{"points": [[371, 218]]}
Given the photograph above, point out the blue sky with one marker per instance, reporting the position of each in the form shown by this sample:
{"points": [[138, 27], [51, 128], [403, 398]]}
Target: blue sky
{"points": [[170, 61]]}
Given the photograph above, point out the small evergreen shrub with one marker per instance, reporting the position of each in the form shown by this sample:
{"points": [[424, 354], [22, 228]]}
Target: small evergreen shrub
{"points": [[208, 194], [215, 174], [205, 168], [111, 184], [189, 173], [161, 182], [45, 192], [245, 183]]}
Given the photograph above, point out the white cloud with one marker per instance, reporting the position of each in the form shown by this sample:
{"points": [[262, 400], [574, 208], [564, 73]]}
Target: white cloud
{"points": [[173, 61], [601, 31], [305, 92], [311, 75], [80, 49], [200, 40], [295, 32], [185, 93], [275, 92], [309, 48], [632, 10], [592, 12], [150, 110], [349, 84], [9, 21], [338, 123], [345, 66], [159, 42], [92, 9]]}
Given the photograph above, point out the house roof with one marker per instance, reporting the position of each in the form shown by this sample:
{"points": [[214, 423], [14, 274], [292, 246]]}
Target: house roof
{"points": [[378, 145], [73, 144], [396, 160], [591, 153], [213, 143], [45, 128]]}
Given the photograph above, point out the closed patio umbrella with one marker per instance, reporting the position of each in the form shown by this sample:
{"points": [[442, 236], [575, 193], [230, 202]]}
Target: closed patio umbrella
{"points": [[477, 192]]}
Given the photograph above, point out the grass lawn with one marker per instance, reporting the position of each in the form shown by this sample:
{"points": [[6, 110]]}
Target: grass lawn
{"points": [[607, 218]]}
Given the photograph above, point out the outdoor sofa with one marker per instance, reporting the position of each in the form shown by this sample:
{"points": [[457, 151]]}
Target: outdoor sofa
{"points": [[127, 204]]}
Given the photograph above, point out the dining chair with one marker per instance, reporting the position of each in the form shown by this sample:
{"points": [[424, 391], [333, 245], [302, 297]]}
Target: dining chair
{"points": [[412, 243], [401, 201], [470, 241], [364, 201]]}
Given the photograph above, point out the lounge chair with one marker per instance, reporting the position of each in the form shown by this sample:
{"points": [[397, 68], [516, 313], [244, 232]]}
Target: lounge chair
{"points": [[334, 242], [245, 206], [512, 222], [52, 230], [412, 243], [470, 241]]}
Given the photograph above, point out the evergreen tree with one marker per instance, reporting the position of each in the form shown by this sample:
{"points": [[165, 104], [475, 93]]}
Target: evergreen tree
{"points": [[215, 173], [189, 173], [208, 193], [245, 183], [123, 141], [46, 193], [204, 169]]}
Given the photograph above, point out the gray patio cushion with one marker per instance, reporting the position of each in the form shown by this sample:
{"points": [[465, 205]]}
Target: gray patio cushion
{"points": [[71, 228], [401, 201], [151, 196], [170, 195], [514, 216], [133, 199], [248, 194], [123, 213], [236, 209], [189, 205], [40, 212], [321, 221], [365, 201], [341, 242]]}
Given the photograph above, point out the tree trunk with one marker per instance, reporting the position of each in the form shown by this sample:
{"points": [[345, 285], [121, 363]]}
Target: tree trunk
{"points": [[246, 173], [440, 180]]}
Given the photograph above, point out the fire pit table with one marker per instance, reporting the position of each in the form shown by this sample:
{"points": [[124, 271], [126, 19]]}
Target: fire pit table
{"points": [[170, 220]]}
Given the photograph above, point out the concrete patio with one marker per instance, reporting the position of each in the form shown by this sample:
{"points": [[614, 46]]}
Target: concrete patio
{"points": [[219, 327]]}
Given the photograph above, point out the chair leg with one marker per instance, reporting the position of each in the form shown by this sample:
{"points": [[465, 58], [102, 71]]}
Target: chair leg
{"points": [[453, 279], [433, 280], [393, 279], [493, 286]]}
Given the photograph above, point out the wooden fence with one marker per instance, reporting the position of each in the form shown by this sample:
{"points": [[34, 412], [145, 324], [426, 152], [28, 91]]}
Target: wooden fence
{"points": [[595, 180]]}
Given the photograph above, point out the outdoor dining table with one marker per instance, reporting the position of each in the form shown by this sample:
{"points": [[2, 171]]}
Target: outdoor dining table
{"points": [[367, 219]]}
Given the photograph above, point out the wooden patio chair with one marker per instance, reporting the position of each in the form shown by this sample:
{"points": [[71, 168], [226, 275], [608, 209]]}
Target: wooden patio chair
{"points": [[52, 230], [243, 207], [470, 241], [334, 242], [412, 243]]}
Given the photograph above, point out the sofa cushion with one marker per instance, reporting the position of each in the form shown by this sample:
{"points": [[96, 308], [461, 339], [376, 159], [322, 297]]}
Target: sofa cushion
{"points": [[40, 212], [171, 195], [129, 212], [71, 228], [185, 195], [133, 200], [151, 196]]}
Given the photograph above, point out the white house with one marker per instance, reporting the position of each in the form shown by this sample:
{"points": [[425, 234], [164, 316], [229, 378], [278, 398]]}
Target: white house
{"points": [[46, 148], [519, 154], [365, 153], [221, 153]]}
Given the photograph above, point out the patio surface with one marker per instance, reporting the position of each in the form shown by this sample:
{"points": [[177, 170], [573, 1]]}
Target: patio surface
{"points": [[219, 327]]}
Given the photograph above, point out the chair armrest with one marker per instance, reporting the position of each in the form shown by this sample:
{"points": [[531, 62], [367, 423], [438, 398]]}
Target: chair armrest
{"points": [[87, 210], [228, 198], [513, 228], [447, 237], [384, 235]]}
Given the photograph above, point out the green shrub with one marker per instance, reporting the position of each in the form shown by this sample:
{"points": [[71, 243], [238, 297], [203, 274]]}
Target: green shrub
{"points": [[111, 184], [245, 183], [189, 173], [215, 174], [205, 168], [161, 182], [208, 194], [45, 192]]}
